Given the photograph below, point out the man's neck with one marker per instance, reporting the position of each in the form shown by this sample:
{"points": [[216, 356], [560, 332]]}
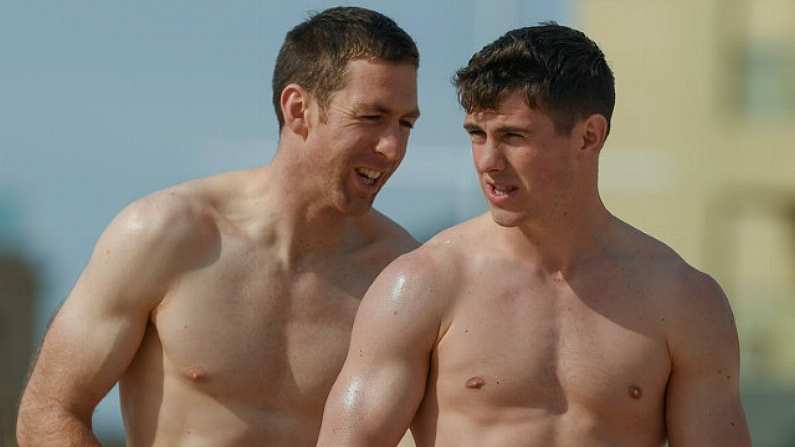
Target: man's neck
{"points": [[559, 243], [301, 220]]}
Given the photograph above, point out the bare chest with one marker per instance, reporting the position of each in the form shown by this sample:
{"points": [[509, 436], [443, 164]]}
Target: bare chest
{"points": [[251, 332], [552, 349]]}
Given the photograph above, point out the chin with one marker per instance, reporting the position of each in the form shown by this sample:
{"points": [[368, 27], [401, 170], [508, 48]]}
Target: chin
{"points": [[507, 219]]}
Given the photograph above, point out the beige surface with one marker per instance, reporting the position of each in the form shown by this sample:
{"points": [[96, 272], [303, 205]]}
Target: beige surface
{"points": [[691, 163], [407, 441]]}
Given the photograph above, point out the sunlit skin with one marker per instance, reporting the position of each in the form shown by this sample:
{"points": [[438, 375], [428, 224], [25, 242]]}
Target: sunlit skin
{"points": [[529, 172], [367, 127], [223, 306], [545, 322]]}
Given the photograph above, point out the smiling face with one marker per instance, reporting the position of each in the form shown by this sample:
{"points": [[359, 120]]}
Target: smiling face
{"points": [[527, 170], [360, 138]]}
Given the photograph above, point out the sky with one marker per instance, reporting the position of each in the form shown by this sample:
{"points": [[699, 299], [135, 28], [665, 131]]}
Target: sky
{"points": [[104, 102]]}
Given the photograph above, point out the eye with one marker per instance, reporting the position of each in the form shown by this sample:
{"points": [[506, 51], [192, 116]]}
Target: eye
{"points": [[512, 137], [407, 124], [477, 136]]}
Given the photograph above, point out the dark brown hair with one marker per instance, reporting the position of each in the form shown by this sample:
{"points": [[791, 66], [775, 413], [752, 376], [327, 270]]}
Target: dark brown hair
{"points": [[316, 52], [560, 69]]}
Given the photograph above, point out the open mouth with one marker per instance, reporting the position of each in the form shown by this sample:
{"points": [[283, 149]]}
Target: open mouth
{"points": [[501, 190], [369, 176], [498, 193]]}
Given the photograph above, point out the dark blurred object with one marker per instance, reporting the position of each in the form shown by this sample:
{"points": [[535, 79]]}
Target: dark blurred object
{"points": [[19, 289]]}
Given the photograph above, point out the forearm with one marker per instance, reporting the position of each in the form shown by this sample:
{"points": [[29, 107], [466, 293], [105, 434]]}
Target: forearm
{"points": [[53, 426]]}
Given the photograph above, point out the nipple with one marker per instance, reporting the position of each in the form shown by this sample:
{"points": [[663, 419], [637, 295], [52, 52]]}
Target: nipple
{"points": [[475, 383], [196, 374], [635, 392]]}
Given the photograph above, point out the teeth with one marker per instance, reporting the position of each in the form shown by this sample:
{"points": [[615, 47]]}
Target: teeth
{"points": [[369, 173], [501, 190]]}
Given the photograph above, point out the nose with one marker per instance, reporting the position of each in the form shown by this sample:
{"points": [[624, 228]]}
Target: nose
{"points": [[488, 157], [392, 144]]}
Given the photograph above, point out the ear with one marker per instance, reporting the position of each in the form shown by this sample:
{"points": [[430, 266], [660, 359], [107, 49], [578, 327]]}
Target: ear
{"points": [[294, 102], [594, 133]]}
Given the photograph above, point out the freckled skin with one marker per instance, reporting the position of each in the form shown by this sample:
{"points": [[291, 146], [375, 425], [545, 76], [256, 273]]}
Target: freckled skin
{"points": [[600, 335], [581, 359]]}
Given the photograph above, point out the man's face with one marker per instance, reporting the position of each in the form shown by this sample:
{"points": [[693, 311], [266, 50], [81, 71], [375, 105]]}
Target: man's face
{"points": [[363, 137], [526, 169]]}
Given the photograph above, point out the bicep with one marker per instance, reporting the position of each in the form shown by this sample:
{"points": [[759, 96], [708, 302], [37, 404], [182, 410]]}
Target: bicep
{"points": [[84, 352], [705, 411], [703, 405], [383, 380], [386, 367], [95, 334]]}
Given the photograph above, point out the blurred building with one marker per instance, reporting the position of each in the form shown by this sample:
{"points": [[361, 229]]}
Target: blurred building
{"points": [[19, 290], [701, 156]]}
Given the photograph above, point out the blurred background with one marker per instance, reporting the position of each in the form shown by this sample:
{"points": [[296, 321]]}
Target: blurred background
{"points": [[103, 102]]}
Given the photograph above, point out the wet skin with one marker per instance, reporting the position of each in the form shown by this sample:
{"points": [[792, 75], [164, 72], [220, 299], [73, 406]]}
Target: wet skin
{"points": [[481, 347], [532, 358], [546, 322]]}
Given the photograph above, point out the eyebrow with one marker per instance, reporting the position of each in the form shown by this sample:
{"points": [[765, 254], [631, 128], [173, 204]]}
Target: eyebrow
{"points": [[471, 127], [379, 108], [512, 129]]}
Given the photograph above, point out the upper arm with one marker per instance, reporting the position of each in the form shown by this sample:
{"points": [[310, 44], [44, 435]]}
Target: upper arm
{"points": [[703, 404], [383, 380], [95, 334]]}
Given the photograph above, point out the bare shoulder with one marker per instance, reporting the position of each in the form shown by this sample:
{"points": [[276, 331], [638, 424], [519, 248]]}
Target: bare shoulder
{"points": [[458, 244], [173, 218], [420, 271], [693, 300], [187, 212], [432, 271], [415, 293], [167, 231], [410, 297], [436, 267], [388, 234], [669, 272]]}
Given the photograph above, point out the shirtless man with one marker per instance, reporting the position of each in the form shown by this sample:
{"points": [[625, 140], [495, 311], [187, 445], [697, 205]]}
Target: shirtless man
{"points": [[223, 306], [549, 322]]}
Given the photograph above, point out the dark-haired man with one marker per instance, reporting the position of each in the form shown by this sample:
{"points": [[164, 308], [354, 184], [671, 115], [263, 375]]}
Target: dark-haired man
{"points": [[549, 322], [223, 306]]}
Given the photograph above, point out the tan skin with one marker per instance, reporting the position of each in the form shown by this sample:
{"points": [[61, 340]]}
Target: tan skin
{"points": [[223, 306], [548, 322]]}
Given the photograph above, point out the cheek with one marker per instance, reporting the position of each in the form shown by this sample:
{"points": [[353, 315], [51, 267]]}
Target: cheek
{"points": [[345, 146], [539, 174], [404, 143]]}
